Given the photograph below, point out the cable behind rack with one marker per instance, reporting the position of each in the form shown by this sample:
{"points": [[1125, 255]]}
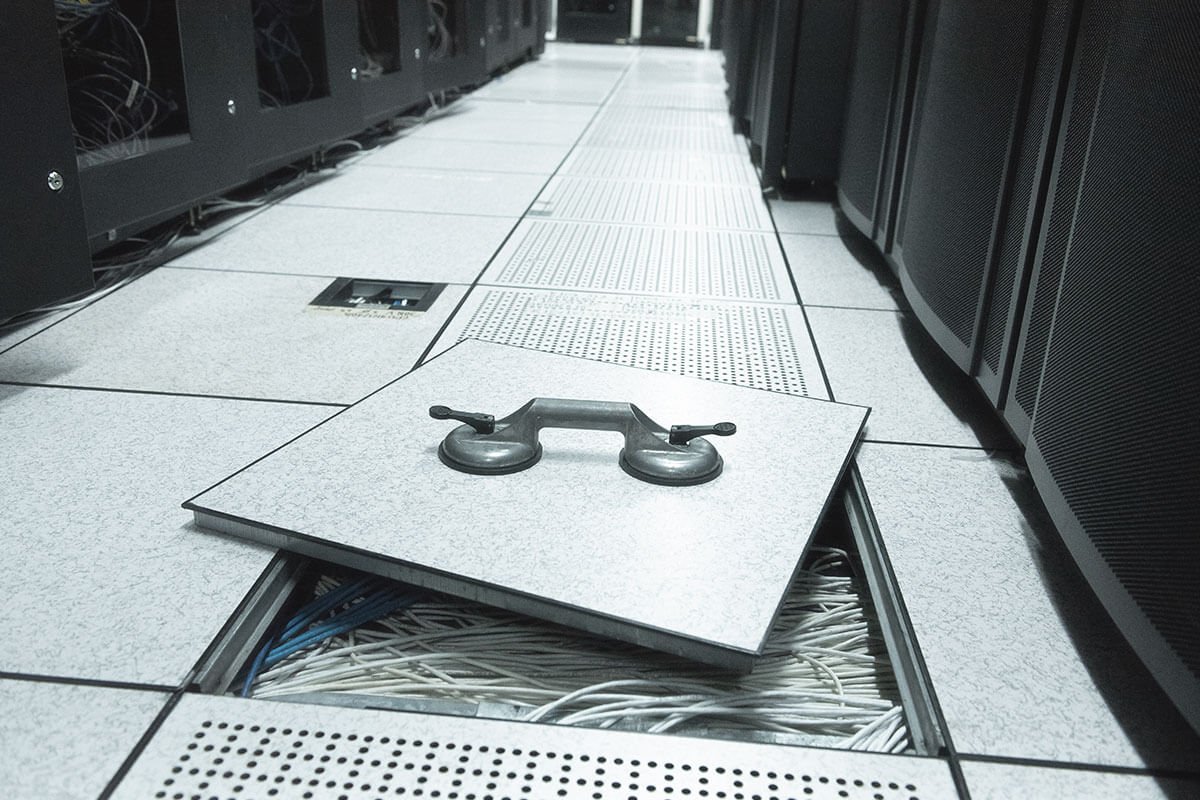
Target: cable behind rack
{"points": [[117, 97]]}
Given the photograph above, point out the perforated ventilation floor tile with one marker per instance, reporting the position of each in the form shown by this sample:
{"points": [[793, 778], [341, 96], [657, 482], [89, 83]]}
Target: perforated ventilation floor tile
{"points": [[696, 97], [630, 259], [1024, 660], [672, 204], [110, 579], [387, 245], [62, 742], [758, 345], [232, 749], [674, 138], [660, 166], [663, 117], [226, 333]]}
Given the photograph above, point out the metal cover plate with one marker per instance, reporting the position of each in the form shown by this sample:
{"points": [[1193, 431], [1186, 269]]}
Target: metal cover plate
{"points": [[697, 571], [229, 748]]}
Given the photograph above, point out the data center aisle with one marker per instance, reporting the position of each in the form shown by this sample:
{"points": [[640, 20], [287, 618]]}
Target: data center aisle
{"points": [[593, 203]]}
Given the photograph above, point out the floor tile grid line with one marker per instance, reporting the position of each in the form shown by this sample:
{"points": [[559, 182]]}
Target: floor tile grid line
{"points": [[86, 302], [162, 393], [516, 223], [861, 492], [800, 302], [1078, 766], [72, 680], [324, 174], [159, 719]]}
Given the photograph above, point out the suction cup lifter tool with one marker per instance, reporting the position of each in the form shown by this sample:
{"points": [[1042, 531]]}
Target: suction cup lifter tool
{"points": [[675, 457]]}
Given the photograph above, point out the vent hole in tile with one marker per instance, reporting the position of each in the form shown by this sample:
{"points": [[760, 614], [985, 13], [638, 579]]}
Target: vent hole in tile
{"points": [[430, 769]]}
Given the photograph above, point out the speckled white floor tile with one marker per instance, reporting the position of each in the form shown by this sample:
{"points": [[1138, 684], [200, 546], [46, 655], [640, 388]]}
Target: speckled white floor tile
{"points": [[884, 359], [762, 345], [16, 334], [1023, 659], [804, 216], [62, 742], [988, 781], [475, 106], [109, 579], [638, 259], [551, 86], [503, 128], [455, 756], [385, 188], [388, 245], [226, 333], [828, 274], [418, 153]]}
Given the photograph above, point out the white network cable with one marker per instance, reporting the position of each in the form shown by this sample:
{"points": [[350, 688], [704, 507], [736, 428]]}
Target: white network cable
{"points": [[824, 671]]}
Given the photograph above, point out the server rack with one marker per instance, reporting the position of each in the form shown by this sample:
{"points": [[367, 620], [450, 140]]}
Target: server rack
{"points": [[878, 108], [299, 64], [389, 70], [43, 238], [967, 124], [181, 137], [454, 51], [603, 21], [670, 22], [1116, 369]]}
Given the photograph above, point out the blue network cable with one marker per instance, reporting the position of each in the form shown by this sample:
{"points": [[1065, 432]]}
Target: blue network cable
{"points": [[353, 604]]}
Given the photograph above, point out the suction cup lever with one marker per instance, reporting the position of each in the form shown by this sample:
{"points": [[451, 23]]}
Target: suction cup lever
{"points": [[486, 446], [482, 423], [682, 434]]}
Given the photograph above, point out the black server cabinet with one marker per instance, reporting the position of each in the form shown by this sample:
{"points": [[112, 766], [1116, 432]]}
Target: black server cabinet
{"points": [[1113, 446], [528, 29], [882, 76], [740, 24], [968, 113], [769, 96], [43, 241], [455, 46], [501, 31], [822, 48], [298, 65], [601, 21], [157, 107], [796, 99], [670, 22], [1019, 225], [1055, 226], [390, 34]]}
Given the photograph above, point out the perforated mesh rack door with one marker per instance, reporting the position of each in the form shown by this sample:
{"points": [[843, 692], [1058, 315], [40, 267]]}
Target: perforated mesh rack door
{"points": [[1056, 227], [878, 33], [1114, 444], [1019, 228], [971, 84], [233, 749]]}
